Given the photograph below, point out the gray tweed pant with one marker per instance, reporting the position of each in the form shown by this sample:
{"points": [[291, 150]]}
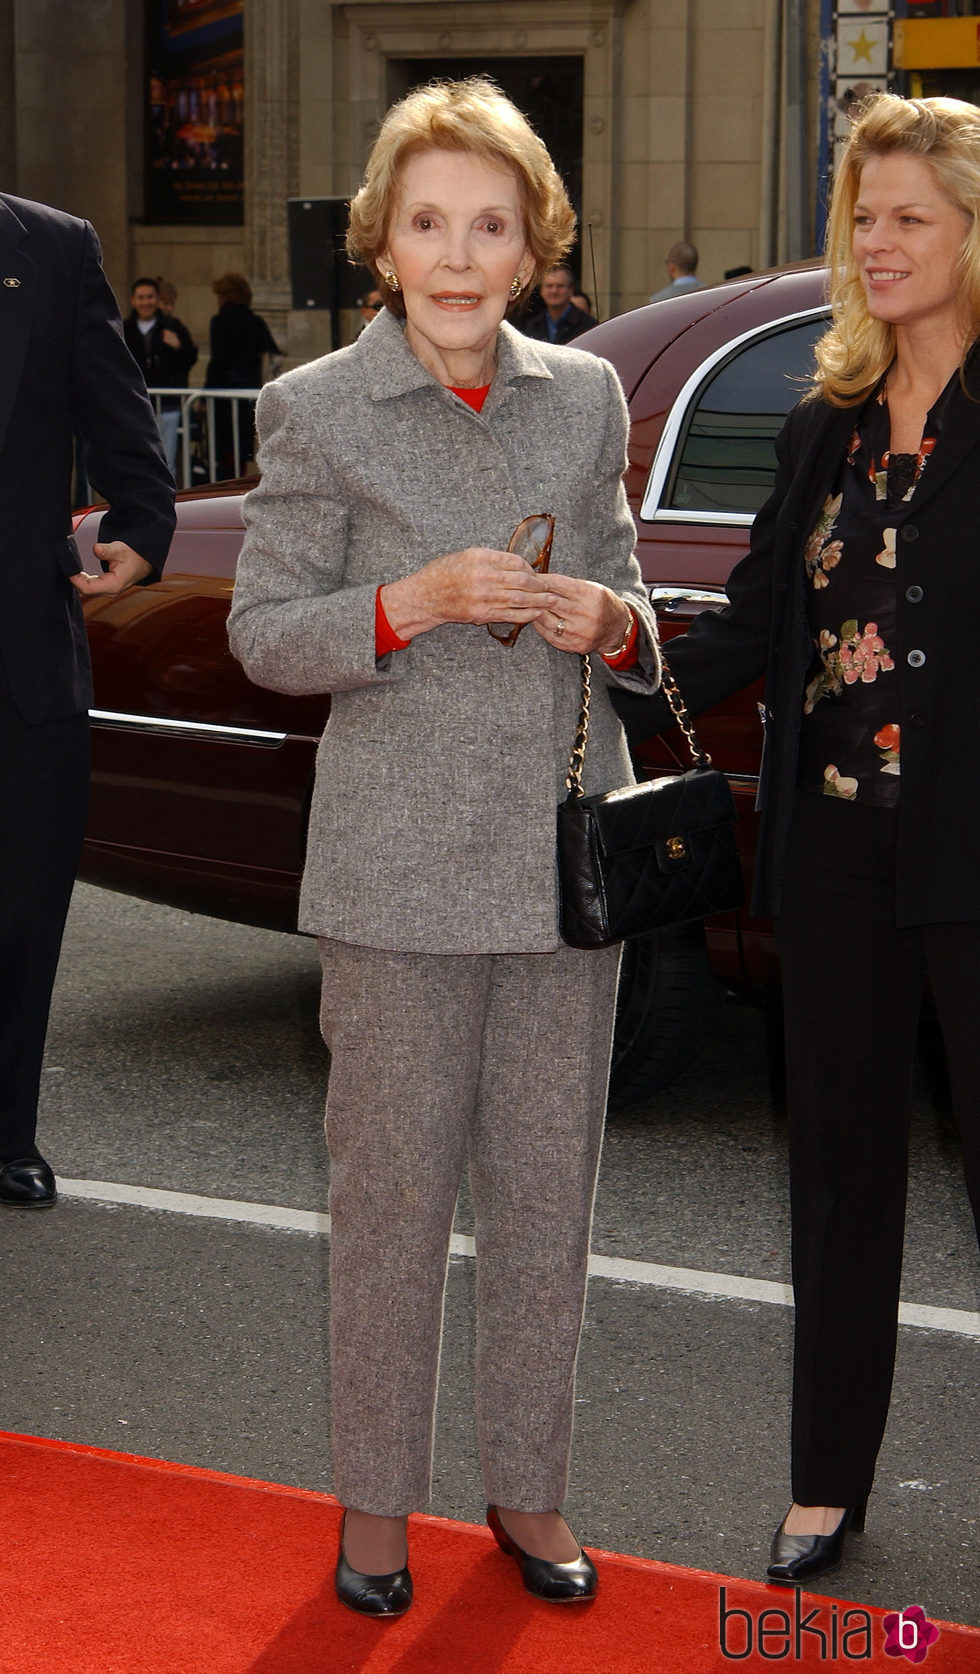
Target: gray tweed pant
{"points": [[503, 1058]]}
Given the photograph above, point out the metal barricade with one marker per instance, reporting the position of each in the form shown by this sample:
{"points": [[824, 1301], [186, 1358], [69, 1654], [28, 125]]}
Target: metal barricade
{"points": [[214, 431]]}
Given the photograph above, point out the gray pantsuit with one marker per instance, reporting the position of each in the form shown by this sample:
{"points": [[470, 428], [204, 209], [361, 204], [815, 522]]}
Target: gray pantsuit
{"points": [[432, 1056], [457, 1021]]}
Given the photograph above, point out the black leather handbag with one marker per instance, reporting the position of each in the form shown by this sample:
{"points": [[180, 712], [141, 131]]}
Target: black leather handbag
{"points": [[650, 855]]}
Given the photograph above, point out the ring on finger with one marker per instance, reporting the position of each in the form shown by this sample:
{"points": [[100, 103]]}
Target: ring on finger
{"points": [[559, 627]]}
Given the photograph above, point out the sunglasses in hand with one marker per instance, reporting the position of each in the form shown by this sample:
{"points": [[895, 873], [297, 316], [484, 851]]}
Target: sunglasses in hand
{"points": [[531, 541]]}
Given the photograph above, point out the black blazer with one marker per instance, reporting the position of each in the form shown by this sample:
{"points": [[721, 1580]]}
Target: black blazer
{"points": [[161, 365], [937, 655], [63, 364], [571, 325], [239, 339]]}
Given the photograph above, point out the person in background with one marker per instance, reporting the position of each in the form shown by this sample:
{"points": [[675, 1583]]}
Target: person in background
{"points": [[239, 340], [860, 598], [393, 557], [164, 351], [580, 299], [559, 321], [64, 369], [682, 270], [370, 303], [167, 294]]}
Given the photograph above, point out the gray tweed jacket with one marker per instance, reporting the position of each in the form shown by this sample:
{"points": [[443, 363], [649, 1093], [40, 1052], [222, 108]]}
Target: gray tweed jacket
{"points": [[432, 827]]}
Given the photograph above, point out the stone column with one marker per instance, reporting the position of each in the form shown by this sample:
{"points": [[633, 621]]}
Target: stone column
{"points": [[8, 98], [69, 88], [271, 148]]}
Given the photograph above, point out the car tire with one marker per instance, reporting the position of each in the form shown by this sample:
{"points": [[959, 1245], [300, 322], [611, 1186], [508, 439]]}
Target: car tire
{"points": [[668, 996]]}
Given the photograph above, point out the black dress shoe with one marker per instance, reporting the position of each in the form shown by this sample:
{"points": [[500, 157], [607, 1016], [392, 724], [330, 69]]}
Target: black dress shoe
{"points": [[575, 1582], [371, 1595], [794, 1559], [27, 1183]]}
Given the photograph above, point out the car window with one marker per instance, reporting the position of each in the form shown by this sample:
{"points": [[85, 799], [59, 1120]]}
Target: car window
{"points": [[722, 464]]}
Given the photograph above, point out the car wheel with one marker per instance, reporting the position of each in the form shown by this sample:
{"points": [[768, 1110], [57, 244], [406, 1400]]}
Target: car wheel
{"points": [[668, 995]]}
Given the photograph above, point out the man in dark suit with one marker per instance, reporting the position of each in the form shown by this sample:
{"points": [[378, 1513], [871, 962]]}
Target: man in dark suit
{"points": [[63, 366], [559, 320]]}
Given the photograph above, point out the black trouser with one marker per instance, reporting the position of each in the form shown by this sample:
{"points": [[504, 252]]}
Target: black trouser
{"points": [[853, 988], [43, 806]]}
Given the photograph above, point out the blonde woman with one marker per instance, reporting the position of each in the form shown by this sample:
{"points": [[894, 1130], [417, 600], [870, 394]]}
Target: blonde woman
{"points": [[860, 597], [401, 513]]}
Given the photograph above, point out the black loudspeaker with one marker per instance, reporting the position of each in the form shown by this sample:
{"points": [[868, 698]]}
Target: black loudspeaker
{"points": [[317, 227], [321, 273]]}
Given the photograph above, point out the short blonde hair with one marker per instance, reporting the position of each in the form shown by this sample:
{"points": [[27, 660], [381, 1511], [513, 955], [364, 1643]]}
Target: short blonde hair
{"points": [[471, 115], [945, 133]]}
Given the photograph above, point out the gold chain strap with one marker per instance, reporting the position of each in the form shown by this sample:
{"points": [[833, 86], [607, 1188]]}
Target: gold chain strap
{"points": [[576, 761], [672, 692]]}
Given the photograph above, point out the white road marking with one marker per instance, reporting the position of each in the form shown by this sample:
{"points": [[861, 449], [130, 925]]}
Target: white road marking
{"points": [[690, 1280]]}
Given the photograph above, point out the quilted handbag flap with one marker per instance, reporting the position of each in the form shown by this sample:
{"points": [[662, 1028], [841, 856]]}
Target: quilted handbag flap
{"points": [[666, 815]]}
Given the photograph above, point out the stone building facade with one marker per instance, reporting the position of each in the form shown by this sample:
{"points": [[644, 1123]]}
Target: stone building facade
{"points": [[696, 119]]}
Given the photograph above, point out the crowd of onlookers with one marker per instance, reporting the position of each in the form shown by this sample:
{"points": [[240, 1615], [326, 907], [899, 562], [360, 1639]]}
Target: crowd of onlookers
{"points": [[165, 352], [558, 311]]}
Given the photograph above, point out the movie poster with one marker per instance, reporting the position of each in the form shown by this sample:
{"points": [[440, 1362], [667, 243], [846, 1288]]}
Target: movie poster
{"points": [[194, 106]]}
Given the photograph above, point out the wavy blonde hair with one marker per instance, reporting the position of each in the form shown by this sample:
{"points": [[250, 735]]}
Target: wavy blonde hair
{"points": [[945, 133], [471, 115]]}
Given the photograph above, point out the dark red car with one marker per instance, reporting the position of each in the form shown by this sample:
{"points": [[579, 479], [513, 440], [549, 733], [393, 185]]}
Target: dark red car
{"points": [[201, 781]]}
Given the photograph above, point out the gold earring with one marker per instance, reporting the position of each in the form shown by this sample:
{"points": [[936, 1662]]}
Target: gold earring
{"points": [[516, 287], [391, 280]]}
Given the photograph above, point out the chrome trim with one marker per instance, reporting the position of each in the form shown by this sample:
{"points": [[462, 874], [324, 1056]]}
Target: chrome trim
{"points": [[718, 520], [669, 597], [199, 729], [651, 510]]}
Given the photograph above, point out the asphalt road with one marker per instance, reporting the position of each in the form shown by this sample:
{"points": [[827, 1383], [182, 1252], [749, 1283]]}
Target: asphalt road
{"points": [[184, 1059]]}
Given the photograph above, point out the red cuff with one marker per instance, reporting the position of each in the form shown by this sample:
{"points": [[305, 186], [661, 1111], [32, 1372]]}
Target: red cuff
{"points": [[385, 637], [630, 652]]}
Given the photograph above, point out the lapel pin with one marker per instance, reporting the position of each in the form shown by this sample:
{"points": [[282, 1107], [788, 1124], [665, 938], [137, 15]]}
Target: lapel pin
{"points": [[11, 284]]}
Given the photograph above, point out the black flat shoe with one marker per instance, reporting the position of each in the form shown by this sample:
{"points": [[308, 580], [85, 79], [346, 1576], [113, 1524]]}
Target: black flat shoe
{"points": [[27, 1183], [794, 1559], [371, 1595], [573, 1583]]}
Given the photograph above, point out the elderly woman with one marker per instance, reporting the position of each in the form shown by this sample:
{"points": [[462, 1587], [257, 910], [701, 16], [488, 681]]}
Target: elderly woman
{"points": [[861, 595], [409, 484]]}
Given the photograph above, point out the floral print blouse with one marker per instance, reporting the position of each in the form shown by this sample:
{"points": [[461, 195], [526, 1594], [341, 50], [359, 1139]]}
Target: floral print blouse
{"points": [[849, 741]]}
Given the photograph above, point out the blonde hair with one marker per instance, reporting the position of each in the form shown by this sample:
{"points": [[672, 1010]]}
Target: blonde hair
{"points": [[471, 115], [945, 133]]}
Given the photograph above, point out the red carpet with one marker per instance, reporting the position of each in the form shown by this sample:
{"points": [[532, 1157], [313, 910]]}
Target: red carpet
{"points": [[115, 1565]]}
